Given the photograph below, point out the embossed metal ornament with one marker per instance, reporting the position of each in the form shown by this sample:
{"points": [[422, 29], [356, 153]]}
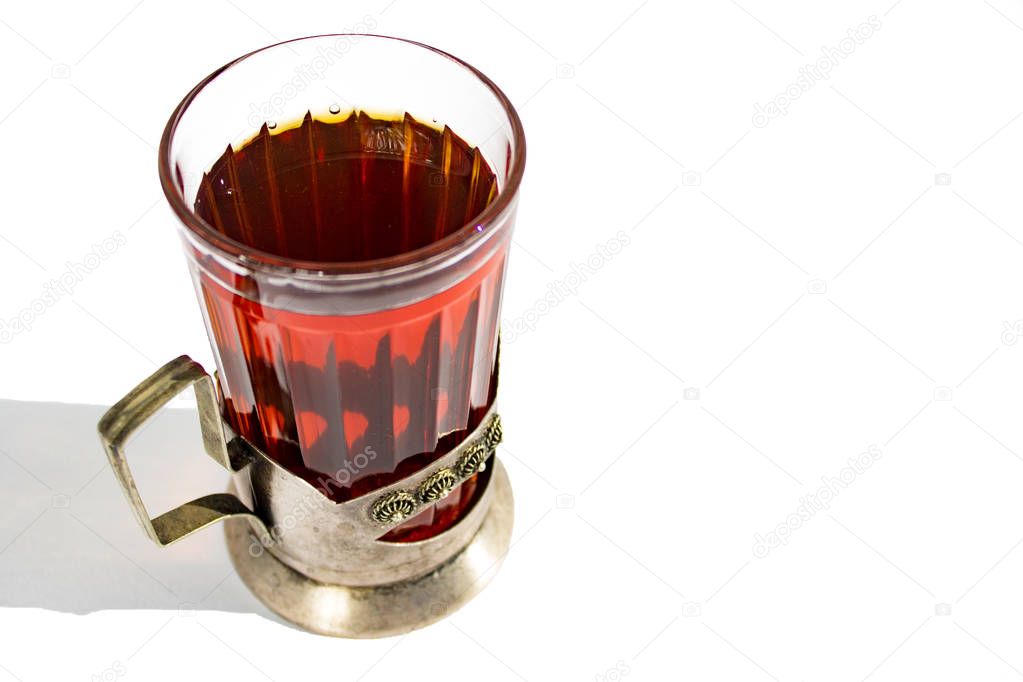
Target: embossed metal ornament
{"points": [[474, 459], [495, 432], [393, 507], [437, 486]]}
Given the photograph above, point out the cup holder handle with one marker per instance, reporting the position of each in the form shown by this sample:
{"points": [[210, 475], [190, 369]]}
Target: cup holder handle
{"points": [[134, 410]]}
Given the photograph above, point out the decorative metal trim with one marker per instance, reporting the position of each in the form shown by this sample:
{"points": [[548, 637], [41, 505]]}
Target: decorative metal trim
{"points": [[437, 486], [396, 506], [494, 433], [474, 460]]}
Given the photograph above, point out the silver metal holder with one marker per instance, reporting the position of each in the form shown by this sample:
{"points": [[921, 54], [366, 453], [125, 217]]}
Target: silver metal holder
{"points": [[318, 563]]}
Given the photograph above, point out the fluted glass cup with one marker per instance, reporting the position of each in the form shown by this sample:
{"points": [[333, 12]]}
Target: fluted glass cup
{"points": [[351, 374]]}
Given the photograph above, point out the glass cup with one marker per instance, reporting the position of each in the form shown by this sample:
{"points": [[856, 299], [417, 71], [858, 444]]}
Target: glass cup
{"points": [[353, 374]]}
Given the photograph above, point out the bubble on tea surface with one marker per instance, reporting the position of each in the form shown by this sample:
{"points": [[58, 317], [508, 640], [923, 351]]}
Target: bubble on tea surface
{"points": [[335, 109]]}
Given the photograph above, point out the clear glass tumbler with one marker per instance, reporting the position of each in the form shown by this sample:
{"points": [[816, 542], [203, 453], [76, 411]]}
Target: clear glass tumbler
{"points": [[351, 374]]}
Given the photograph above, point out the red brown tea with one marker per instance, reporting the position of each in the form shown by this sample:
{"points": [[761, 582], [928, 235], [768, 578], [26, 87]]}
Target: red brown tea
{"points": [[351, 190], [355, 402]]}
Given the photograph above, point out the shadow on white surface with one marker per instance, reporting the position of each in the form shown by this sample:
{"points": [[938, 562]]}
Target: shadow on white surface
{"points": [[68, 539]]}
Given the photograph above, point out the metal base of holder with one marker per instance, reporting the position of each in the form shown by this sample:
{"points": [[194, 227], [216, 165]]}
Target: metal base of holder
{"points": [[384, 610]]}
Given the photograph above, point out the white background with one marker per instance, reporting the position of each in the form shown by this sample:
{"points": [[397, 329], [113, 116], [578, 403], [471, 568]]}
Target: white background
{"points": [[846, 277]]}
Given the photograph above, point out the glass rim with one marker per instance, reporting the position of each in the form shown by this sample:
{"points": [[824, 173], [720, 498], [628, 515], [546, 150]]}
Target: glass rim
{"points": [[454, 244]]}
